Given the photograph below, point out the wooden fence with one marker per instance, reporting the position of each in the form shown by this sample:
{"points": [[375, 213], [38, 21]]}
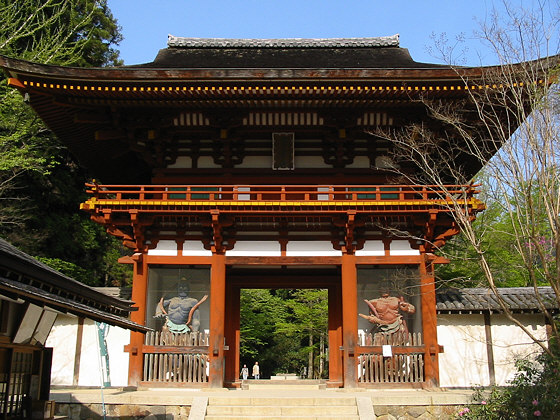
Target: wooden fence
{"points": [[405, 365], [175, 358]]}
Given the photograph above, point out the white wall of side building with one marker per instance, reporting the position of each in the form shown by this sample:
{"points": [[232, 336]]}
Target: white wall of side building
{"points": [[464, 362], [511, 343], [62, 339]]}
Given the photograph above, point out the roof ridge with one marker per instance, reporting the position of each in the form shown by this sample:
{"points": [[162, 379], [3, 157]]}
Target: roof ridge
{"points": [[372, 42]]}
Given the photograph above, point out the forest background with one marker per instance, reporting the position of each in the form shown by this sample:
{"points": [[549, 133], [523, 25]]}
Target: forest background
{"points": [[41, 187]]}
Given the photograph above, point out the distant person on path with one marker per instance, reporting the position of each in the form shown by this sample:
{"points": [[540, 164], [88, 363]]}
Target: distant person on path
{"points": [[256, 371], [245, 372]]}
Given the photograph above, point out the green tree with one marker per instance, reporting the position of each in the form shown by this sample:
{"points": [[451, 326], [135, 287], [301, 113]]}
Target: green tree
{"points": [[261, 310], [41, 186], [308, 324]]}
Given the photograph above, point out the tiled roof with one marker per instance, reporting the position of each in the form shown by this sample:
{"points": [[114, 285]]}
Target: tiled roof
{"points": [[518, 299], [181, 42], [22, 276]]}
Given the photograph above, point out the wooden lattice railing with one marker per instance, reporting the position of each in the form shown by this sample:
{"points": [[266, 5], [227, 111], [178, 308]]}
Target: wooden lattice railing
{"points": [[175, 358], [405, 365]]}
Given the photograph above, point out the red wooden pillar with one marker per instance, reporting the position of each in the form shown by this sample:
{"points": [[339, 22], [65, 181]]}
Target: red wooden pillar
{"points": [[429, 322], [217, 318], [349, 319], [139, 296], [232, 334], [335, 336]]}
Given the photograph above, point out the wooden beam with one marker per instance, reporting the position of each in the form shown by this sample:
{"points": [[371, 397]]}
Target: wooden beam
{"points": [[489, 348], [78, 353]]}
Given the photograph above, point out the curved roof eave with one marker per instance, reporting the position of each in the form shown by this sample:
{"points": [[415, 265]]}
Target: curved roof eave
{"points": [[15, 67]]}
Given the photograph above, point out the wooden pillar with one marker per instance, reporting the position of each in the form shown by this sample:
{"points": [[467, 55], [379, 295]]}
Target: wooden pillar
{"points": [[139, 297], [232, 334], [429, 322], [217, 318], [349, 319], [335, 336], [78, 353], [489, 348]]}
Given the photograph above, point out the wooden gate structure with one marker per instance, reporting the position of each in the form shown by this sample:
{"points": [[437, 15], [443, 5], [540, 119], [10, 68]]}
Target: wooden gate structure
{"points": [[256, 163]]}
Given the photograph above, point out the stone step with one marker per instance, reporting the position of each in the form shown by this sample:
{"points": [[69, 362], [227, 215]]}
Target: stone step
{"points": [[281, 408], [293, 384], [306, 417], [281, 401], [286, 410]]}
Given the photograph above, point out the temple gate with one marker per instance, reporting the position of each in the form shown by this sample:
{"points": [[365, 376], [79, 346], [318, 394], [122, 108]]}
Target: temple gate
{"points": [[227, 164]]}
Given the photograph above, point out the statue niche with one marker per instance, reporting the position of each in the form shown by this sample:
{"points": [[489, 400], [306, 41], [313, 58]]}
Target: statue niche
{"points": [[180, 312], [386, 315]]}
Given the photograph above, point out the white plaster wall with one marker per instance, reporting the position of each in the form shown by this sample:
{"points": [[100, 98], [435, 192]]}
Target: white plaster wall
{"points": [[372, 248], [206, 162], [402, 247], [182, 162], [511, 343], [360, 162], [310, 162], [255, 249], [164, 248], [90, 368], [311, 249], [256, 162], [62, 339], [464, 362], [195, 248]]}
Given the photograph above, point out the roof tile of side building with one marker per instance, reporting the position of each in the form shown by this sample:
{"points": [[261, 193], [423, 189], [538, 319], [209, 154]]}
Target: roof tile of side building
{"points": [[518, 299], [22, 276]]}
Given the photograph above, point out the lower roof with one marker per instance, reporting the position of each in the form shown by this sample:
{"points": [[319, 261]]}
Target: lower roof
{"points": [[517, 299], [24, 278]]}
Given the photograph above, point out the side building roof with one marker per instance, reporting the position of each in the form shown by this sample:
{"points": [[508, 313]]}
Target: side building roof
{"points": [[22, 277], [478, 300]]}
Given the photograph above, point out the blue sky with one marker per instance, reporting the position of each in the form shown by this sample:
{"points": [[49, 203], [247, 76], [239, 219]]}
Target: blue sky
{"points": [[146, 23]]}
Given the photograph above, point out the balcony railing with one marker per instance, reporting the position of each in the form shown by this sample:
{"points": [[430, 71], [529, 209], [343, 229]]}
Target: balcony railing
{"points": [[183, 194]]}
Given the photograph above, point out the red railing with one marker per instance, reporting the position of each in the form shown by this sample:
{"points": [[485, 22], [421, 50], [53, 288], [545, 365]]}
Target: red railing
{"points": [[280, 192]]}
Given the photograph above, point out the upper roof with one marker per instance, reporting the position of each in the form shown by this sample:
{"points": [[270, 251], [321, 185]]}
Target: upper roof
{"points": [[375, 42], [381, 52], [22, 276]]}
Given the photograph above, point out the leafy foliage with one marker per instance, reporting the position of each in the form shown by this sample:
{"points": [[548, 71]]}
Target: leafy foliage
{"points": [[41, 185], [277, 326]]}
